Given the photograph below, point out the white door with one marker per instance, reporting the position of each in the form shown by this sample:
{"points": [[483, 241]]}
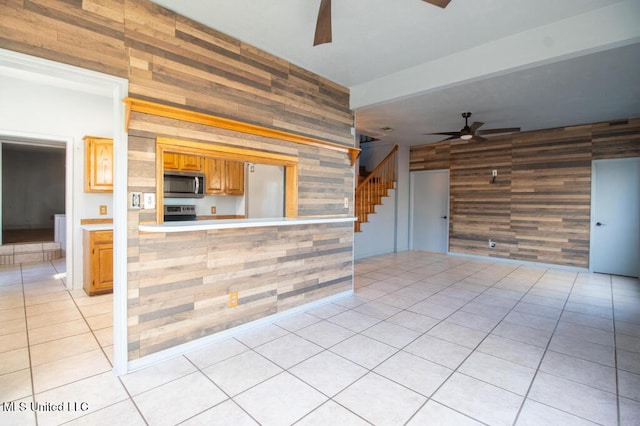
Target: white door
{"points": [[430, 210], [615, 219]]}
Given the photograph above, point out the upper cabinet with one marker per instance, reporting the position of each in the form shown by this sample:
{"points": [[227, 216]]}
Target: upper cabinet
{"points": [[98, 165], [234, 178], [224, 177], [182, 162]]}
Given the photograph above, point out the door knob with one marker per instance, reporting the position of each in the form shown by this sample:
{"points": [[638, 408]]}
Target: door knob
{"points": [[599, 224], [444, 217]]}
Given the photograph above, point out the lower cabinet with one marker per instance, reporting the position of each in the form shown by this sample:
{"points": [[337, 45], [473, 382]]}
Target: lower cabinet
{"points": [[98, 262]]}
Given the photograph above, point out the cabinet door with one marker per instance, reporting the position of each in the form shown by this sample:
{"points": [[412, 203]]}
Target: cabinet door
{"points": [[101, 274], [190, 163], [234, 178], [99, 164], [214, 176], [171, 161], [103, 277]]}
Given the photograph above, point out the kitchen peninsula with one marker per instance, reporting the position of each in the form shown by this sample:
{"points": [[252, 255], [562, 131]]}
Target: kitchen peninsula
{"points": [[205, 225], [190, 280]]}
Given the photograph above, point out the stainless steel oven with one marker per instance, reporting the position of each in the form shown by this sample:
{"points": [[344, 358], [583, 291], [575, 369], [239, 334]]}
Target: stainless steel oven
{"points": [[179, 213]]}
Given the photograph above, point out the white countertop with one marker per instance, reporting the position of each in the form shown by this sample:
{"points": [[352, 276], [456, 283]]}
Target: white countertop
{"points": [[203, 225], [98, 227]]}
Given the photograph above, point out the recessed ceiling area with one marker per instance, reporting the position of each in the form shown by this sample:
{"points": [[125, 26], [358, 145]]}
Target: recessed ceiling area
{"points": [[415, 67]]}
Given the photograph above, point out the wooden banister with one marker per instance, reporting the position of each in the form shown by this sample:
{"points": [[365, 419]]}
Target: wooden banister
{"points": [[374, 187], [383, 163]]}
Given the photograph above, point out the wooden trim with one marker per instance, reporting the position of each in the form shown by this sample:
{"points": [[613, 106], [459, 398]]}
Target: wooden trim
{"points": [[167, 111], [290, 164], [291, 191], [207, 149]]}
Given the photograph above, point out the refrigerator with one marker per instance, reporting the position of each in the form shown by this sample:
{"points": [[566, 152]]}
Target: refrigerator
{"points": [[265, 191]]}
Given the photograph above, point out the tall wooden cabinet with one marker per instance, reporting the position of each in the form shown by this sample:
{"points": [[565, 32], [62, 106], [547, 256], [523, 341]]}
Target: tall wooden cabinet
{"points": [[98, 261], [98, 164]]}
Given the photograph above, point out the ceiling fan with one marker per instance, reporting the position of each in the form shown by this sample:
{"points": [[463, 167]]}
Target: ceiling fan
{"points": [[323, 25], [472, 133]]}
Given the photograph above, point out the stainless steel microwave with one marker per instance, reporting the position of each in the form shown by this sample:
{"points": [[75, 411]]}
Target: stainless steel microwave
{"points": [[183, 185]]}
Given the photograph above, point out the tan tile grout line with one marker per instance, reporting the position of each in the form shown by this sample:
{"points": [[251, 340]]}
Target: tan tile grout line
{"points": [[130, 397], [615, 349], [26, 326], [544, 355]]}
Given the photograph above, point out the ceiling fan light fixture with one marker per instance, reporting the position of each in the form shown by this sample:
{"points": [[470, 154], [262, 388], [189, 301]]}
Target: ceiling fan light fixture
{"points": [[466, 137]]}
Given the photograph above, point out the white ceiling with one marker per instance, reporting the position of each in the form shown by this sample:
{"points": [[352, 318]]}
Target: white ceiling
{"points": [[415, 67]]}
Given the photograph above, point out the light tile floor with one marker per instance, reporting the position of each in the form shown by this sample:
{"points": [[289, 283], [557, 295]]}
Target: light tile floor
{"points": [[426, 339]]}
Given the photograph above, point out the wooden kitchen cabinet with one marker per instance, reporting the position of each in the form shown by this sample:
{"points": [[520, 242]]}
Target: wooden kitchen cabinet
{"points": [[98, 164], [214, 176], [182, 162], [234, 178], [224, 177], [98, 261]]}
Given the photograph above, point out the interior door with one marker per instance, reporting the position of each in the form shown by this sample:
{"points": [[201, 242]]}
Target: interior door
{"points": [[615, 227], [430, 210]]}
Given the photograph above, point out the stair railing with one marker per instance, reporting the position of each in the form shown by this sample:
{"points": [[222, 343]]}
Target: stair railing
{"points": [[370, 191]]}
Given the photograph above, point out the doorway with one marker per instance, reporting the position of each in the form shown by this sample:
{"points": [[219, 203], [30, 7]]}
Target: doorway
{"points": [[615, 217], [40, 75], [429, 206], [33, 191]]}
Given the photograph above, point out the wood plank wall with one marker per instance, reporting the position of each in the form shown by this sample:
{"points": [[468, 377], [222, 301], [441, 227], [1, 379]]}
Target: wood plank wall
{"points": [[171, 59], [167, 58], [185, 279], [538, 209]]}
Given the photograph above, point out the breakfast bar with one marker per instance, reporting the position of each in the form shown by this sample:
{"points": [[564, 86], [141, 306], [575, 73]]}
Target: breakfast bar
{"points": [[204, 225]]}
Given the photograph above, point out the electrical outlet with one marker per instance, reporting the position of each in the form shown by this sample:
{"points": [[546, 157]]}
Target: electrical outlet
{"points": [[213, 209], [149, 199], [346, 202], [103, 210], [494, 173], [233, 299]]}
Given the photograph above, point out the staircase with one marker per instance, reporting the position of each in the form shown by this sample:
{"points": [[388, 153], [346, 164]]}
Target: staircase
{"points": [[373, 187]]}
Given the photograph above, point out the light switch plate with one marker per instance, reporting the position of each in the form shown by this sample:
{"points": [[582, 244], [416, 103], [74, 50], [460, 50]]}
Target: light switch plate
{"points": [[135, 200], [149, 200]]}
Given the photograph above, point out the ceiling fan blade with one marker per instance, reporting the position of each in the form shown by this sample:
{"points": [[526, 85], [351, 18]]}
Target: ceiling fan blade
{"points": [[439, 3], [478, 138], [476, 125], [457, 134], [451, 138], [496, 131], [323, 26]]}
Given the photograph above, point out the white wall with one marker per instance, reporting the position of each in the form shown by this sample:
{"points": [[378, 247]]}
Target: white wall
{"points": [[402, 205], [42, 109], [388, 229]]}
